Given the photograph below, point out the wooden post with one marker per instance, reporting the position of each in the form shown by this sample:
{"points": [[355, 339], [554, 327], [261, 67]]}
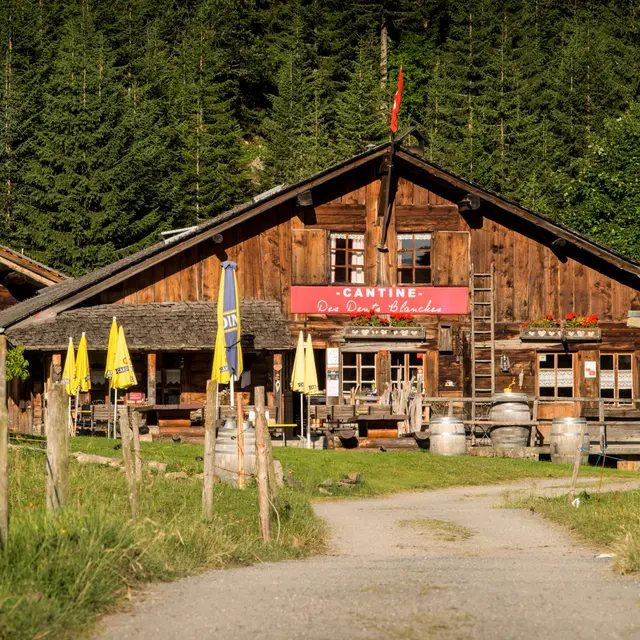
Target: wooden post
{"points": [[261, 465], [277, 388], [125, 434], [136, 419], [4, 447], [209, 450], [57, 448], [576, 463], [240, 421], [151, 378]]}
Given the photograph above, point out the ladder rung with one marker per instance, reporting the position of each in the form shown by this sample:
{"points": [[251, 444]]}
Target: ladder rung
{"points": [[481, 289], [482, 361], [481, 302], [481, 275], [483, 375]]}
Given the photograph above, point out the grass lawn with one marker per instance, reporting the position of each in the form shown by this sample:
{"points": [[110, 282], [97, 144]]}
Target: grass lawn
{"points": [[609, 521], [391, 472]]}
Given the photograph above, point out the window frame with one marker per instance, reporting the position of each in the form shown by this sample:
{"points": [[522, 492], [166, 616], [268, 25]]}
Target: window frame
{"points": [[355, 268], [408, 368], [555, 372], [358, 371], [399, 268], [616, 401]]}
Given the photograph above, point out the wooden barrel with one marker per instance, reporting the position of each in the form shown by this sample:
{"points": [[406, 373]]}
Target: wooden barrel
{"points": [[565, 439], [512, 408], [447, 436]]}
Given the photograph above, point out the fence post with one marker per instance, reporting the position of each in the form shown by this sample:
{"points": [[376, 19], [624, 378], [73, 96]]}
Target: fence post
{"points": [[136, 418], [240, 421], [261, 465], [4, 447], [125, 434], [208, 481], [57, 447]]}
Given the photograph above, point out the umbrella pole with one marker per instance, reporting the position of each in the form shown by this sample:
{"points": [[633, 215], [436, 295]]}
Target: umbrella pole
{"points": [[75, 426], [301, 414], [231, 393], [69, 416], [115, 410], [308, 422]]}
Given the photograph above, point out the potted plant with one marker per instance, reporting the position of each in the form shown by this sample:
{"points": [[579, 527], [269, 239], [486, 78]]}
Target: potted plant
{"points": [[572, 329], [581, 328]]}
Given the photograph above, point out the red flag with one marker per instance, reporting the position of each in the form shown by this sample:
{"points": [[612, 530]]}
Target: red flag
{"points": [[397, 99]]}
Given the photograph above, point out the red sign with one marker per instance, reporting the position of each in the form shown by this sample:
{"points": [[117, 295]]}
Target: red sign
{"points": [[354, 298]]}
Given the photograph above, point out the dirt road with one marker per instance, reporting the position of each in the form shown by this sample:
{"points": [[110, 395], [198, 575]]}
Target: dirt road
{"points": [[440, 564]]}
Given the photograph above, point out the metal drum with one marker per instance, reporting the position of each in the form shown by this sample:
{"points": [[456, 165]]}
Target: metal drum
{"points": [[514, 409], [565, 439], [227, 451], [447, 436]]}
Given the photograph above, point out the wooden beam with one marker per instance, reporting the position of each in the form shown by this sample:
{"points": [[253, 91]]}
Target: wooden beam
{"points": [[26, 271], [151, 378]]}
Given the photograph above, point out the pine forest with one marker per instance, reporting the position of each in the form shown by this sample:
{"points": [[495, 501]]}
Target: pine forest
{"points": [[125, 118]]}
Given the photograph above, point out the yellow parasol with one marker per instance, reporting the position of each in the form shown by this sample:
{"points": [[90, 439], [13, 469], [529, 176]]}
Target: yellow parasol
{"points": [[310, 373], [69, 372], [123, 375], [297, 375], [108, 370], [83, 375], [69, 377]]}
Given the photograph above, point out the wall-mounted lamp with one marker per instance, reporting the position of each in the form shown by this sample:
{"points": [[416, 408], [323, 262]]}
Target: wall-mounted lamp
{"points": [[505, 364]]}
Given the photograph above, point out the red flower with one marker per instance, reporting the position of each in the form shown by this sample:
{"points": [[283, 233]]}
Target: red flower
{"points": [[550, 317], [524, 324], [384, 321]]}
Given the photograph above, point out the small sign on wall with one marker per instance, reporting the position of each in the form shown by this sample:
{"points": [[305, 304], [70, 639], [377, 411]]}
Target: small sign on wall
{"points": [[590, 370], [333, 372]]}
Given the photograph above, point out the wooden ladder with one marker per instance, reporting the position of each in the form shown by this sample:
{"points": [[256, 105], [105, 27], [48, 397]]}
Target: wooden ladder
{"points": [[483, 339]]}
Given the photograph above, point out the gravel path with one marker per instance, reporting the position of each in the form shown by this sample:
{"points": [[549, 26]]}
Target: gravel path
{"points": [[392, 573]]}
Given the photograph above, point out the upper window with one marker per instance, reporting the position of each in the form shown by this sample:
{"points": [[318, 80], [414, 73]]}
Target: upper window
{"points": [[555, 375], [616, 376], [347, 258], [414, 258]]}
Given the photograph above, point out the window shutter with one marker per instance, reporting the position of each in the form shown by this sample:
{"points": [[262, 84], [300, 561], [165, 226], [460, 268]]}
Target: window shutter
{"points": [[450, 258], [309, 254]]}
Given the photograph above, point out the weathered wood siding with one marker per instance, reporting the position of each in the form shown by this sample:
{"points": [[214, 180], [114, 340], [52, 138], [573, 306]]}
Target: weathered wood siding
{"points": [[289, 245]]}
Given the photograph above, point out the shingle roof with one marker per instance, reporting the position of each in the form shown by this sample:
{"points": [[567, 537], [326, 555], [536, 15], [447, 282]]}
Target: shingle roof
{"points": [[170, 326], [11, 256]]}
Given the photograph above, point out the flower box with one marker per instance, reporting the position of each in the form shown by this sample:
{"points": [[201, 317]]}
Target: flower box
{"points": [[544, 334], [384, 333], [582, 334], [558, 334]]}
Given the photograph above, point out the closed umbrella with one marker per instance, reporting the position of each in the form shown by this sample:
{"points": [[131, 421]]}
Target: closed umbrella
{"points": [[83, 374], [227, 358], [297, 378], [69, 376], [123, 374], [310, 383], [111, 356]]}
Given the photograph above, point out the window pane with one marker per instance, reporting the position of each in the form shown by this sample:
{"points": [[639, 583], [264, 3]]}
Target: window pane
{"points": [[606, 379], [423, 276], [356, 242], [565, 377], [405, 259], [546, 378], [606, 393], [405, 242], [625, 380], [356, 275], [348, 359], [625, 394], [368, 359], [423, 241], [565, 361], [339, 258], [547, 391], [606, 361], [414, 361], [397, 359], [339, 243], [423, 259], [546, 360], [624, 361], [405, 276], [356, 258], [565, 392], [339, 274]]}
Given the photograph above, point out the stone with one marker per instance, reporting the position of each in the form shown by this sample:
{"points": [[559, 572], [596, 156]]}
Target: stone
{"points": [[158, 466], [177, 475], [324, 491], [326, 483], [353, 478]]}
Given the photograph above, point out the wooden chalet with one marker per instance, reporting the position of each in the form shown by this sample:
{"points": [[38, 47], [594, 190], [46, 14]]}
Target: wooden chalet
{"points": [[386, 230]]}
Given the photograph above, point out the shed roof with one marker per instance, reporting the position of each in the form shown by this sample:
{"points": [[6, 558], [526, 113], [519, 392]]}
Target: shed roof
{"points": [[169, 326], [35, 271]]}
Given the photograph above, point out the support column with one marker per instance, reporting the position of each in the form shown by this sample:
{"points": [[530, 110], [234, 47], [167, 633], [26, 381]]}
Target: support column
{"points": [[151, 378]]}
